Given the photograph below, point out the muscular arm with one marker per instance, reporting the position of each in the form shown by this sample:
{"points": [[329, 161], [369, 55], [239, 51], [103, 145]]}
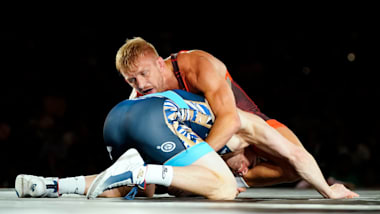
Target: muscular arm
{"points": [[288, 134], [208, 80], [259, 133]]}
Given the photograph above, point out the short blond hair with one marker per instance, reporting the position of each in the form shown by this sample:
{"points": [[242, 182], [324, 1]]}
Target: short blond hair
{"points": [[132, 49]]}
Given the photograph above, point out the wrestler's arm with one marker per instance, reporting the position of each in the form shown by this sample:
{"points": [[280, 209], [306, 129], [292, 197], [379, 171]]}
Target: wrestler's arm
{"points": [[267, 139], [289, 134], [207, 79]]}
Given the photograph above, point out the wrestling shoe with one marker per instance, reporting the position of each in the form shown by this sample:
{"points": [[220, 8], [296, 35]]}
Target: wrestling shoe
{"points": [[128, 170], [36, 186]]}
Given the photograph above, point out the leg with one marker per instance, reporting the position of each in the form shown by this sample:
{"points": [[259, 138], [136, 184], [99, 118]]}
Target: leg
{"points": [[217, 183], [37, 186], [119, 191]]}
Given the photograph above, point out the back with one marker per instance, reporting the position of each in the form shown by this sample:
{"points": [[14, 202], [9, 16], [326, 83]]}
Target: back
{"points": [[158, 125]]}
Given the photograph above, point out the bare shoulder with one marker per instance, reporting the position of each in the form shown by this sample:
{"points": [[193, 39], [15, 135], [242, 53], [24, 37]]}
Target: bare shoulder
{"points": [[193, 57], [194, 54]]}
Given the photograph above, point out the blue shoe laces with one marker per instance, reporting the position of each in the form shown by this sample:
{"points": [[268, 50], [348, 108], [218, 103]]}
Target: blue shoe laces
{"points": [[131, 195]]}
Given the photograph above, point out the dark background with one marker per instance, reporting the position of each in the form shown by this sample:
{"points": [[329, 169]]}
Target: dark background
{"points": [[58, 84]]}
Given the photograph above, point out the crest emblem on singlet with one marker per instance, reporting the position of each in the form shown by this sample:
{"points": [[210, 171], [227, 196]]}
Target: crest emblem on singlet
{"points": [[168, 146]]}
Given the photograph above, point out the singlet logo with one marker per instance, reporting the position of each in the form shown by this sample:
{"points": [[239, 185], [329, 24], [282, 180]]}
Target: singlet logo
{"points": [[167, 146]]}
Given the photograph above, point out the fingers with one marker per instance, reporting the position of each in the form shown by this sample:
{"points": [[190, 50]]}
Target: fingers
{"points": [[342, 192], [240, 190], [354, 195]]}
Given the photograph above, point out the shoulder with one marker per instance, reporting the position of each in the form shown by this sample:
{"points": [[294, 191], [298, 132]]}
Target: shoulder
{"points": [[194, 58], [193, 54]]}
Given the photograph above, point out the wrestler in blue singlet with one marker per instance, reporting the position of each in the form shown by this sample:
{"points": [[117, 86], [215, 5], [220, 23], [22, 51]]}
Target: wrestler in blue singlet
{"points": [[166, 128]]}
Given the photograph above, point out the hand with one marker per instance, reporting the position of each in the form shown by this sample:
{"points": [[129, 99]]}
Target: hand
{"points": [[332, 180], [240, 190], [340, 191]]}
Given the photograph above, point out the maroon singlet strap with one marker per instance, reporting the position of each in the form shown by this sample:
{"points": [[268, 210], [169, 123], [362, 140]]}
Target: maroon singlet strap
{"points": [[176, 71]]}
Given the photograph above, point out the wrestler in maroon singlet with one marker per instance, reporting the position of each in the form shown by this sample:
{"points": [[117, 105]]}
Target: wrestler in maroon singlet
{"points": [[243, 101]]}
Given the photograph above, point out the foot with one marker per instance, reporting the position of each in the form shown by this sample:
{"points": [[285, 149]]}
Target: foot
{"points": [[128, 170], [36, 186]]}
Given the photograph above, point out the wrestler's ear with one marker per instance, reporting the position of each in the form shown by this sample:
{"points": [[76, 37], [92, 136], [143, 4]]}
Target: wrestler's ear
{"points": [[160, 63]]}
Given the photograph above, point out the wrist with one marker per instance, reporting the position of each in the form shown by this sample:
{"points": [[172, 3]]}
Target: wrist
{"points": [[327, 193]]}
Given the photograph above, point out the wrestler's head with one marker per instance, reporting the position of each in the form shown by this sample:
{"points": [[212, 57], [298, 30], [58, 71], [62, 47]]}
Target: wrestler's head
{"points": [[141, 66]]}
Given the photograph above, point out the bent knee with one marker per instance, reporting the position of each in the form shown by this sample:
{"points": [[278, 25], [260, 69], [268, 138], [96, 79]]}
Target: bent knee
{"points": [[226, 189], [224, 194]]}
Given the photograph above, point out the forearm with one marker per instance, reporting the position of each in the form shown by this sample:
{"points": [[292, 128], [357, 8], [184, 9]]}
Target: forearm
{"points": [[303, 162], [222, 131], [258, 132], [307, 167]]}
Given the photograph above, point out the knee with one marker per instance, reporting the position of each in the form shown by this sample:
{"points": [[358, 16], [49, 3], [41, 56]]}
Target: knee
{"points": [[225, 189]]}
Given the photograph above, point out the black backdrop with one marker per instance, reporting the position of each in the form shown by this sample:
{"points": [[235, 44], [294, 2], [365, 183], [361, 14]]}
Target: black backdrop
{"points": [[58, 84]]}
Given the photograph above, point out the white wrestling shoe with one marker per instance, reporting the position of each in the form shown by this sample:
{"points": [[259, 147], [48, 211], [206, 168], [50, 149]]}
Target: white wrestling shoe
{"points": [[36, 186], [128, 170]]}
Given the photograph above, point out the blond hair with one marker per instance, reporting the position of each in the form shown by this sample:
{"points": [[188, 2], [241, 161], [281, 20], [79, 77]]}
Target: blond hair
{"points": [[128, 54]]}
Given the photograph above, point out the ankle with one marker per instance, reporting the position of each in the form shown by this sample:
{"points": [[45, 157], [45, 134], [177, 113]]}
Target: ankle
{"points": [[72, 185], [159, 174]]}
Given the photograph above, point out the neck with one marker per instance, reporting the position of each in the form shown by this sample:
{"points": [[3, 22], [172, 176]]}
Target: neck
{"points": [[170, 79]]}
